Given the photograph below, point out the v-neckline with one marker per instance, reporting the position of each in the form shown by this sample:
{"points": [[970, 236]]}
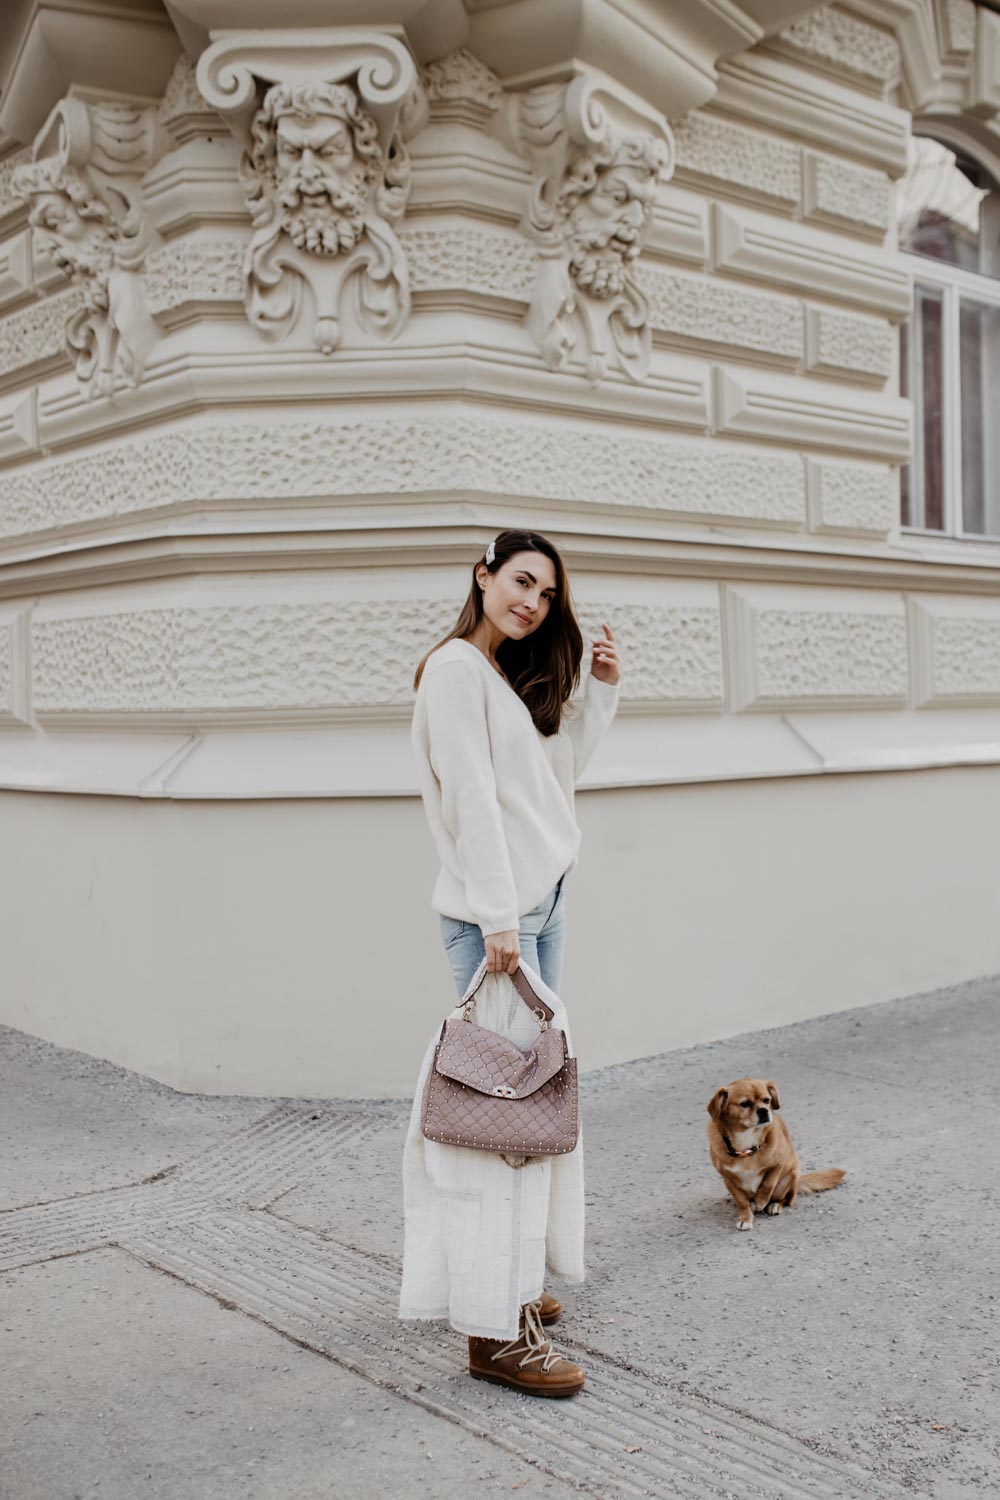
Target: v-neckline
{"points": [[464, 641]]}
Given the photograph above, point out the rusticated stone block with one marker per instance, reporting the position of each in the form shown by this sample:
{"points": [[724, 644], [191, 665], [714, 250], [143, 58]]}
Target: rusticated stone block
{"points": [[719, 152], [848, 344], [288, 656], [956, 651], [268, 656], [708, 310], [543, 460], [808, 647], [858, 499], [845, 42], [494, 262], [36, 334], [194, 271], [842, 193], [670, 653]]}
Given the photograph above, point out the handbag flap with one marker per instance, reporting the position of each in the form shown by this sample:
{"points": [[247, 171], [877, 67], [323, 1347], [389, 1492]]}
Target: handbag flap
{"points": [[486, 1061]]}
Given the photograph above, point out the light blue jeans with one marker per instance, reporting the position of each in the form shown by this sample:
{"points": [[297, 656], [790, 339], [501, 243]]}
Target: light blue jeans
{"points": [[541, 933]]}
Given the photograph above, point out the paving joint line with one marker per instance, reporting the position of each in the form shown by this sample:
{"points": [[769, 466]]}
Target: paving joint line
{"points": [[204, 1261]]}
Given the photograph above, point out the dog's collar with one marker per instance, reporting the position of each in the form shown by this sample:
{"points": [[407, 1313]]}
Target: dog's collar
{"points": [[750, 1151]]}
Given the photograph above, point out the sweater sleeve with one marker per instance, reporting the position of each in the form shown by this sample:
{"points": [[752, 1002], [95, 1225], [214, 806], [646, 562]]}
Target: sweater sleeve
{"points": [[460, 758], [591, 720]]}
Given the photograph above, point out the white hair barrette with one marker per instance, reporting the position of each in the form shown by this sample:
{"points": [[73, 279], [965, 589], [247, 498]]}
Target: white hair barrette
{"points": [[491, 552]]}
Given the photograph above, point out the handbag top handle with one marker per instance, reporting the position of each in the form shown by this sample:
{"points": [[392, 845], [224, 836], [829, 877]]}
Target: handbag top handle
{"points": [[534, 1002]]}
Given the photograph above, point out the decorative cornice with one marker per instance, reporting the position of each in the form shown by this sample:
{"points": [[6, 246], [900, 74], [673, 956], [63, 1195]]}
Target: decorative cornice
{"points": [[381, 69]]}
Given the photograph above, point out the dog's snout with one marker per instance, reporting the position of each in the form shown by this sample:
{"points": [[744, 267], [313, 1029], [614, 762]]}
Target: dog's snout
{"points": [[763, 1116]]}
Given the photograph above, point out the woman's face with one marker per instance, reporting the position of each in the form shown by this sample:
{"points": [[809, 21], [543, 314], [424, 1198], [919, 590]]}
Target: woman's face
{"points": [[519, 595]]}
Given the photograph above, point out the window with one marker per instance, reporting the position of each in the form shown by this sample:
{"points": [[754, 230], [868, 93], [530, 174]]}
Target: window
{"points": [[949, 221]]}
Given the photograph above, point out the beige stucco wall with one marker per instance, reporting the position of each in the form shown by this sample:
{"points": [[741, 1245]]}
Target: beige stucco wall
{"points": [[288, 947]]}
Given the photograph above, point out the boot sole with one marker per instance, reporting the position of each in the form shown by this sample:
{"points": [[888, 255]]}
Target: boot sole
{"points": [[556, 1392]]}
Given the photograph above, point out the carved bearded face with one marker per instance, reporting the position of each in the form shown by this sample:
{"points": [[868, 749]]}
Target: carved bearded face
{"points": [[77, 238], [322, 185], [606, 209]]}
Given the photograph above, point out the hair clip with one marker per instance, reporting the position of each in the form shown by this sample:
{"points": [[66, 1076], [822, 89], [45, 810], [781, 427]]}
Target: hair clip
{"points": [[491, 553]]}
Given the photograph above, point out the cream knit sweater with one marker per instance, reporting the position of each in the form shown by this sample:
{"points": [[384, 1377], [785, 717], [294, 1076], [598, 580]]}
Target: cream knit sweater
{"points": [[498, 795]]}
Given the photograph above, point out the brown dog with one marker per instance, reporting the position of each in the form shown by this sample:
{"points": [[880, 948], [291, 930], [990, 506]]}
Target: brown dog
{"points": [[753, 1152]]}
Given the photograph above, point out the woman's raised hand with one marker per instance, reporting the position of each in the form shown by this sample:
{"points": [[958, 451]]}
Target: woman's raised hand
{"points": [[605, 665], [503, 952]]}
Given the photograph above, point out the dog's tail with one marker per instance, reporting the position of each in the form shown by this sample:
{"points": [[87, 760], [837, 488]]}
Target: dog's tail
{"points": [[818, 1182]]}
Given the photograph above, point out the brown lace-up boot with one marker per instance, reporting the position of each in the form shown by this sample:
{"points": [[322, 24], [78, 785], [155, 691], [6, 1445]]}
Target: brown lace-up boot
{"points": [[528, 1363], [548, 1309]]}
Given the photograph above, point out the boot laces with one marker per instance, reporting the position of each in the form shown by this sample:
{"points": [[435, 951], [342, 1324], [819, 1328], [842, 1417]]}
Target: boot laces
{"points": [[531, 1342]]}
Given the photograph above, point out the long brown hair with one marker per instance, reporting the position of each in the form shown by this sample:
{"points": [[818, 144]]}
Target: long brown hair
{"points": [[544, 667]]}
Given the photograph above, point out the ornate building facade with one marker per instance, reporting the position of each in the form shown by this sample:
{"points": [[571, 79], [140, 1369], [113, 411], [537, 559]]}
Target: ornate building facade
{"points": [[294, 318]]}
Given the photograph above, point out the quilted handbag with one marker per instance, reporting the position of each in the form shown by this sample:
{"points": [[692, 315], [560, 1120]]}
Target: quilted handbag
{"points": [[483, 1091]]}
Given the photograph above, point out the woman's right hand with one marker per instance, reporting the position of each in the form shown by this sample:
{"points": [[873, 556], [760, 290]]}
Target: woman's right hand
{"points": [[503, 952]]}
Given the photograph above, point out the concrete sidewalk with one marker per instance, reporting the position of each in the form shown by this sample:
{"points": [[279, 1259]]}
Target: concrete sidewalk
{"points": [[197, 1294]]}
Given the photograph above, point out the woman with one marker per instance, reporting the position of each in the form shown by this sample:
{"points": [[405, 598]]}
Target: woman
{"points": [[499, 750]]}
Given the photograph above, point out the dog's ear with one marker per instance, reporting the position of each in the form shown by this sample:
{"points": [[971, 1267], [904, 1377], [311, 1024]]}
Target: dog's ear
{"points": [[717, 1103], [775, 1101]]}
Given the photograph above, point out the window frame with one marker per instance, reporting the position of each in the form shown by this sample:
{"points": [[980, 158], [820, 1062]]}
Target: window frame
{"points": [[954, 284]]}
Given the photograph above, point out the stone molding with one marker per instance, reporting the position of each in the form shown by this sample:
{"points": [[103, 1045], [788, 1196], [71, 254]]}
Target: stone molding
{"points": [[754, 403], [592, 194], [950, 54], [323, 116], [810, 260], [14, 665], [779, 95], [983, 95], [87, 213], [18, 426], [87, 49], [16, 269], [814, 648]]}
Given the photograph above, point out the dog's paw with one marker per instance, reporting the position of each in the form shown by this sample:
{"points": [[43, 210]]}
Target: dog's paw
{"points": [[745, 1224], [773, 1209]]}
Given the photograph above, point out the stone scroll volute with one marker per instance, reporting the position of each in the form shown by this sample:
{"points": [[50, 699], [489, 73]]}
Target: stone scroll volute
{"points": [[592, 195], [84, 188], [323, 119]]}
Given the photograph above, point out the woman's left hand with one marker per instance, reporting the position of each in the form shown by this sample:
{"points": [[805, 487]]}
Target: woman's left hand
{"points": [[604, 663]]}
